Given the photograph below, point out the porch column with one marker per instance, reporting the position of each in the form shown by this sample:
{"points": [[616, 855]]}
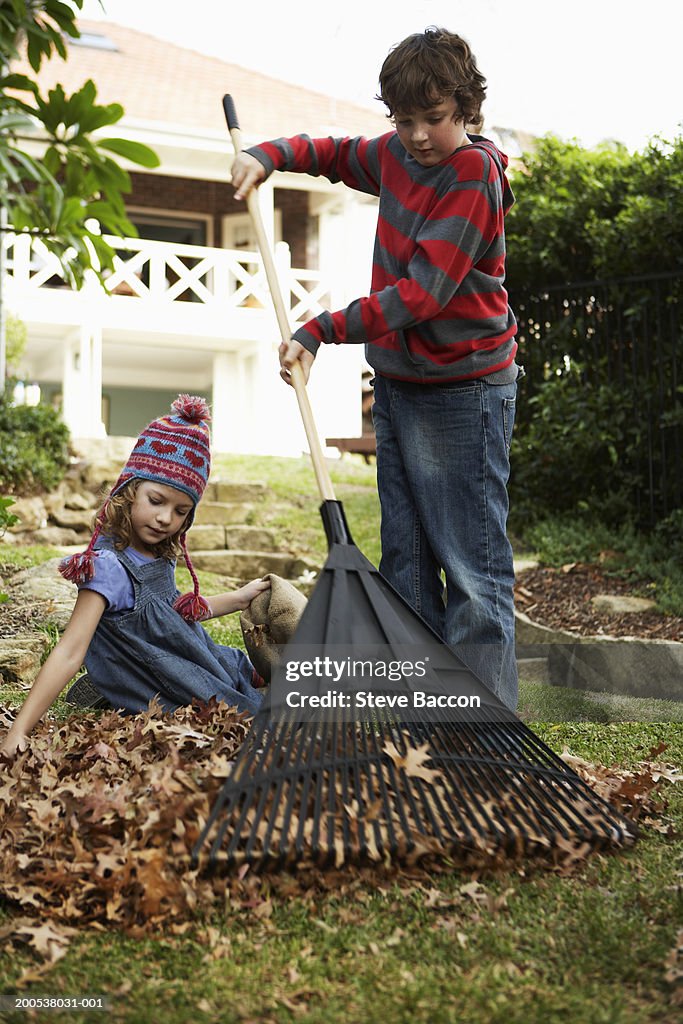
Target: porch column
{"points": [[227, 419], [72, 388], [82, 382], [253, 411], [96, 425]]}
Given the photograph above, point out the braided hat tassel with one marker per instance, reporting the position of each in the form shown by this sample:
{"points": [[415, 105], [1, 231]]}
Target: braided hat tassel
{"points": [[80, 568], [191, 606]]}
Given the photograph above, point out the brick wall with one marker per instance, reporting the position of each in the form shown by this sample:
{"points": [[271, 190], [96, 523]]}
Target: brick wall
{"points": [[215, 198], [296, 226]]}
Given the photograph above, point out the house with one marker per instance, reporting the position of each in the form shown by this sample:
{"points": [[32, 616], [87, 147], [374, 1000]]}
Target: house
{"points": [[187, 308]]}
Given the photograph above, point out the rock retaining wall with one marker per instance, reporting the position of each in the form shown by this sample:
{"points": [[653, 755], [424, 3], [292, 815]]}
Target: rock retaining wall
{"points": [[624, 665]]}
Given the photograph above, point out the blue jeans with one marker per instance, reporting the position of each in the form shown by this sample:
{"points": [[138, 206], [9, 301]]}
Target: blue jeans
{"points": [[442, 470]]}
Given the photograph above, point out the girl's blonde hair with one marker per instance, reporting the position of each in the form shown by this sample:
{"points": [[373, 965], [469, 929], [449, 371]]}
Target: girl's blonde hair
{"points": [[114, 520]]}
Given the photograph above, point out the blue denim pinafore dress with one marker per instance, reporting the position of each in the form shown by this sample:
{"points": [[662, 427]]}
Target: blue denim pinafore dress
{"points": [[151, 651]]}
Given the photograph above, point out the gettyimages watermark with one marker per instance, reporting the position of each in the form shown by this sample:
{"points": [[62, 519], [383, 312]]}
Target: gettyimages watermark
{"points": [[364, 682]]}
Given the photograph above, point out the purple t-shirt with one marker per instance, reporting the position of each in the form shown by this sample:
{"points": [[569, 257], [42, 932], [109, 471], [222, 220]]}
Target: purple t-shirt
{"points": [[112, 581]]}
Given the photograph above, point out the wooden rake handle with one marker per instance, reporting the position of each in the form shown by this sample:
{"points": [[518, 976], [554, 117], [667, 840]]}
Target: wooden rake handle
{"points": [[319, 466]]}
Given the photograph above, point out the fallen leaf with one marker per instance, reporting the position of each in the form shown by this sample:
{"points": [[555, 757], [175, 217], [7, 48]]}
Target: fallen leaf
{"points": [[48, 939], [413, 761]]}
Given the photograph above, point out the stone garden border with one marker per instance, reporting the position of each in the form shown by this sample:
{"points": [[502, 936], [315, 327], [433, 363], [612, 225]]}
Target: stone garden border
{"points": [[631, 666]]}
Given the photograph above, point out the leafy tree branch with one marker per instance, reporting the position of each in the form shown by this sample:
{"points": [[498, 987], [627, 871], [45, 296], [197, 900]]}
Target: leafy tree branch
{"points": [[58, 178]]}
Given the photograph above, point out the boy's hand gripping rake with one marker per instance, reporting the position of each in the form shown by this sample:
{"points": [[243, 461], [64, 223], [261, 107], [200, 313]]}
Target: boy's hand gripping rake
{"points": [[472, 783]]}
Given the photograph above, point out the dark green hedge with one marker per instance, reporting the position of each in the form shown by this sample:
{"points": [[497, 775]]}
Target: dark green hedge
{"points": [[34, 448], [595, 274]]}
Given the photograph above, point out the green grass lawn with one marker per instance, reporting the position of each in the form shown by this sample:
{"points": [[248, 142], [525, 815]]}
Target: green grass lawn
{"points": [[514, 948], [589, 948]]}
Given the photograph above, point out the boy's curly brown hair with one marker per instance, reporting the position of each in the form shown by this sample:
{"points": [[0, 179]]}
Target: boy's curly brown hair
{"points": [[429, 67], [114, 521]]}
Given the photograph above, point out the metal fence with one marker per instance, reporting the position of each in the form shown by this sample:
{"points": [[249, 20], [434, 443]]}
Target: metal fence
{"points": [[625, 333]]}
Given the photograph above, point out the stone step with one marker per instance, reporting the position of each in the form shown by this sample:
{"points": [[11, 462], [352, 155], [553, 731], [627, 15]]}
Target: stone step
{"points": [[207, 538], [234, 538], [220, 513], [249, 538], [232, 491], [80, 520], [245, 565]]}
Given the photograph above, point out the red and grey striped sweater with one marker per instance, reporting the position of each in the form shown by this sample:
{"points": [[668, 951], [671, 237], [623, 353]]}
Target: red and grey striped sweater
{"points": [[438, 310]]}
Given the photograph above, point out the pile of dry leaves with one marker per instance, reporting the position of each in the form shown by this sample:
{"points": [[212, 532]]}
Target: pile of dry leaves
{"points": [[98, 818]]}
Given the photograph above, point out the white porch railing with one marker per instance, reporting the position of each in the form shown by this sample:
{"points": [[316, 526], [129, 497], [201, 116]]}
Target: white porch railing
{"points": [[163, 274]]}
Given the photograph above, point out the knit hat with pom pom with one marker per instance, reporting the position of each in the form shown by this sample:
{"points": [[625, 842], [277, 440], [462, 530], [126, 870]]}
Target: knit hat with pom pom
{"points": [[173, 450]]}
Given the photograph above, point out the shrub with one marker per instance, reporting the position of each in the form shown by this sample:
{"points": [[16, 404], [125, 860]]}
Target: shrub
{"points": [[595, 274], [577, 448], [7, 518], [34, 452]]}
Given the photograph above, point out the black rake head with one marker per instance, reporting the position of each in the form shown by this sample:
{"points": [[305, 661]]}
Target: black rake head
{"points": [[473, 785], [331, 793]]}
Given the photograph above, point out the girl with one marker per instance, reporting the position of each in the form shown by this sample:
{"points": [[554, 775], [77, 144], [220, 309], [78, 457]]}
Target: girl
{"points": [[137, 637]]}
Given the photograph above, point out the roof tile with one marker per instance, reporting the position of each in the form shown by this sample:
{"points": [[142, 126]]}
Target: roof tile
{"points": [[160, 82]]}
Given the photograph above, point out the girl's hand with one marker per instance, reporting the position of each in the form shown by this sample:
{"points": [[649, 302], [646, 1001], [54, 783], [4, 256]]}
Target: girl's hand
{"points": [[246, 594], [236, 600], [14, 741], [247, 173]]}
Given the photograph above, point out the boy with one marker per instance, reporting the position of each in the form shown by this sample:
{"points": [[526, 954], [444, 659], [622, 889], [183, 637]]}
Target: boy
{"points": [[440, 336]]}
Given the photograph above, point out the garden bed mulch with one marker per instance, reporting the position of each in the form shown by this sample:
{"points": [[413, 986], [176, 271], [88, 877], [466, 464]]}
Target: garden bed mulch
{"points": [[98, 818], [560, 598]]}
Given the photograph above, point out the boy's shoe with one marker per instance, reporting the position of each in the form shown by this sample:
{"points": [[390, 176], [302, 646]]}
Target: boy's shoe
{"points": [[84, 695]]}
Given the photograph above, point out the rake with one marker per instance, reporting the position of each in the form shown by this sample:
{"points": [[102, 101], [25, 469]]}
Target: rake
{"points": [[435, 767]]}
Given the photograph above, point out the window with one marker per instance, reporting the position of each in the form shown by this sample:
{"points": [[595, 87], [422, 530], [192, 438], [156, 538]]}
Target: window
{"points": [[173, 231], [167, 228]]}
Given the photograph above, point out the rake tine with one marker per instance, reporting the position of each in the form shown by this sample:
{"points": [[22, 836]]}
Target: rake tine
{"points": [[315, 796], [271, 794], [232, 794]]}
